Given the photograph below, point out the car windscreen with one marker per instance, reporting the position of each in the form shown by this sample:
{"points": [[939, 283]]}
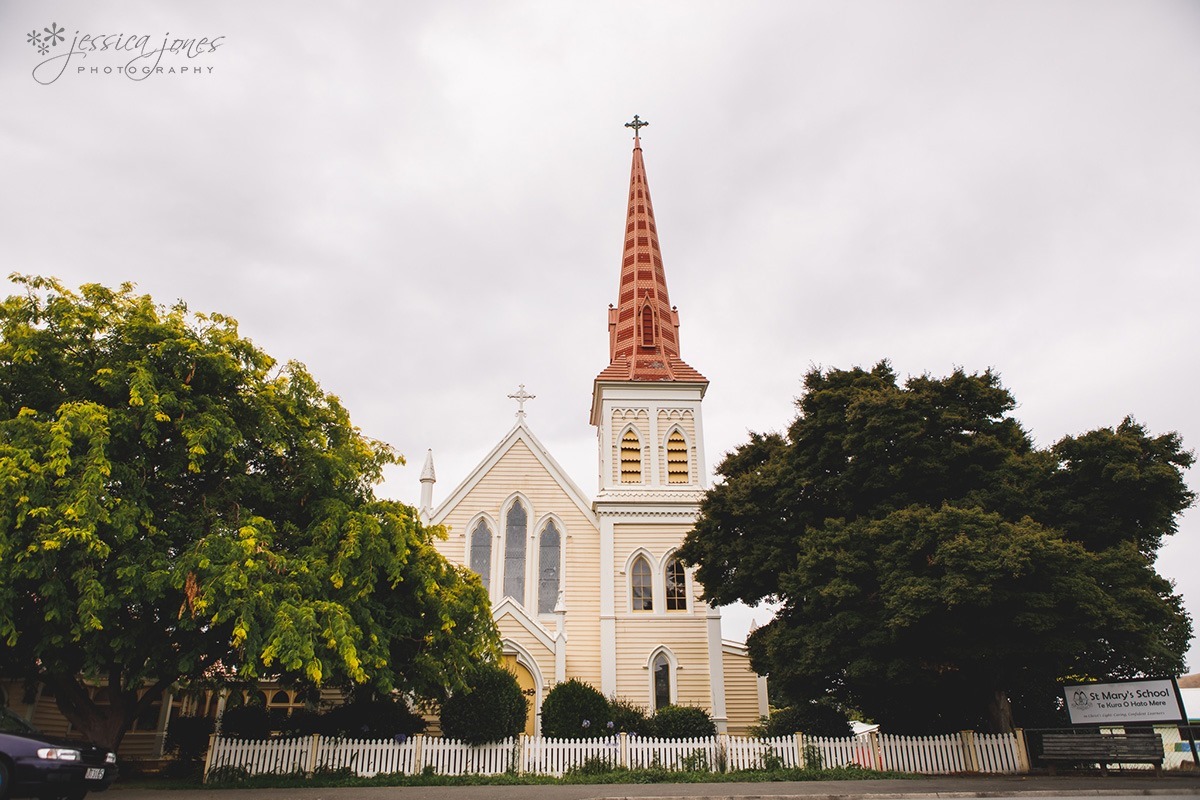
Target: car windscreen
{"points": [[11, 723]]}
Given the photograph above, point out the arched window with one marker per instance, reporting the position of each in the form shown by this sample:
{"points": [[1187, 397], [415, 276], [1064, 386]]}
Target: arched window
{"points": [[515, 530], [481, 553], [677, 458], [661, 667], [641, 585], [647, 326], [676, 586], [631, 457], [549, 560]]}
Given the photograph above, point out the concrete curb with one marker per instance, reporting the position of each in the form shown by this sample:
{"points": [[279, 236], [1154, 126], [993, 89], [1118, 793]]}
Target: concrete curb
{"points": [[1172, 792]]}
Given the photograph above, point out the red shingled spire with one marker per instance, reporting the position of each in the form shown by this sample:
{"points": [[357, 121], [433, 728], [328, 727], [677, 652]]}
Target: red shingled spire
{"points": [[643, 329]]}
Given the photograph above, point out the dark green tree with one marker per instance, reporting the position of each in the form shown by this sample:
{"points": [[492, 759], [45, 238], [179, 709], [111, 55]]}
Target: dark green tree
{"points": [[175, 504], [935, 569]]}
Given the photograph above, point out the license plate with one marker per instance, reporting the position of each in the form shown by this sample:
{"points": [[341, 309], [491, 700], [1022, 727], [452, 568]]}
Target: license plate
{"points": [[94, 774]]}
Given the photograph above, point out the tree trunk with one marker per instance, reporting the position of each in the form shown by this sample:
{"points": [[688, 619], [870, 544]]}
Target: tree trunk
{"points": [[104, 726], [1000, 716]]}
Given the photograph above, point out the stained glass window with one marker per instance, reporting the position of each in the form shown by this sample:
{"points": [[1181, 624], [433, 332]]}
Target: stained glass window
{"points": [[662, 681], [642, 586], [481, 552], [549, 560], [516, 529], [676, 586]]}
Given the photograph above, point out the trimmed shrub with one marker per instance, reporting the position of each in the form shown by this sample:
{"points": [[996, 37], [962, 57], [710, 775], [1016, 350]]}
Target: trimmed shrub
{"points": [[303, 722], [682, 722], [628, 717], [365, 719], [247, 722], [490, 710], [187, 738], [575, 710], [814, 719]]}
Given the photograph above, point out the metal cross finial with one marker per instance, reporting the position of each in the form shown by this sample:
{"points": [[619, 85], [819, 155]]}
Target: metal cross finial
{"points": [[637, 125], [521, 396]]}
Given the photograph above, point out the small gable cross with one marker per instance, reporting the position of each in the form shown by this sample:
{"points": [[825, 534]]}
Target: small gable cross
{"points": [[521, 397]]}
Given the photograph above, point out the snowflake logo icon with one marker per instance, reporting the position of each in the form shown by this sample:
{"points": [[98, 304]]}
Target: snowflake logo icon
{"points": [[54, 34], [34, 38]]}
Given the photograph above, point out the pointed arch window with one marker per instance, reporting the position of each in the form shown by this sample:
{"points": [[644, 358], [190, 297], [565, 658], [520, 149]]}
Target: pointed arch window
{"points": [[676, 586], [549, 565], [631, 457], [661, 667], [516, 529], [481, 553], [641, 585], [677, 459]]}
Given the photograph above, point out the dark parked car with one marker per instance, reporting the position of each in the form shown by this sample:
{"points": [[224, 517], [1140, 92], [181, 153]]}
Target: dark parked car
{"points": [[35, 765]]}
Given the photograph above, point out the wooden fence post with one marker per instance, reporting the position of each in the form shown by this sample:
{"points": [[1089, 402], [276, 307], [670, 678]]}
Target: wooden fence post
{"points": [[876, 749], [723, 751], [1023, 761], [208, 757], [520, 754], [310, 766], [801, 758], [623, 750], [970, 759], [418, 753]]}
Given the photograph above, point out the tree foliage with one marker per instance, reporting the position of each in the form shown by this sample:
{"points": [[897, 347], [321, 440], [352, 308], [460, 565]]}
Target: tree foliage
{"points": [[174, 503], [935, 569]]}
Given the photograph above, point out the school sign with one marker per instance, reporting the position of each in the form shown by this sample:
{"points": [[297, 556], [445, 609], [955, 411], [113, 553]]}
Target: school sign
{"points": [[1125, 702]]}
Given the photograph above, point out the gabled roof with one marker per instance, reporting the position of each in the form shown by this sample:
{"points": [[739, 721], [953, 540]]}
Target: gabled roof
{"points": [[519, 433], [509, 608], [643, 328]]}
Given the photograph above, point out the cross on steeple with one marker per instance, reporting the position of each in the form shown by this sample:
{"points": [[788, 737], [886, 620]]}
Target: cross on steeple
{"points": [[637, 125], [521, 397]]}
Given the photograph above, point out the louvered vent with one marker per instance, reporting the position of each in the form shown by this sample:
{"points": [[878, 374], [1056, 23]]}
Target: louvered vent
{"points": [[677, 459], [631, 458]]}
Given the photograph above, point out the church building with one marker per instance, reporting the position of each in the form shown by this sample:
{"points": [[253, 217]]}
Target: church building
{"points": [[592, 588]]}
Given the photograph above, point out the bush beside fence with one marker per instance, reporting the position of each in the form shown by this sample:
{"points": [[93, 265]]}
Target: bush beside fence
{"points": [[953, 753]]}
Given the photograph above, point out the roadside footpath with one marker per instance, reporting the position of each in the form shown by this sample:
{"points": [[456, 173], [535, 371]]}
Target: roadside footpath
{"points": [[1063, 786]]}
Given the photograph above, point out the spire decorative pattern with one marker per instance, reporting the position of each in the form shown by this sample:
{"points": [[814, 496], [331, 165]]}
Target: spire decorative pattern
{"points": [[643, 329]]}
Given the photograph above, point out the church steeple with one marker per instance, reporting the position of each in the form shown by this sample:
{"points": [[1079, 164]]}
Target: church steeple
{"points": [[643, 328]]}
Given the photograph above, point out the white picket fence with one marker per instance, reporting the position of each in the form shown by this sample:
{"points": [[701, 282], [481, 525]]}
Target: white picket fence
{"points": [[953, 753]]}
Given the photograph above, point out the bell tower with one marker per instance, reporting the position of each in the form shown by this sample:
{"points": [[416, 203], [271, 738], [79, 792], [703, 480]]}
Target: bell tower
{"points": [[646, 402], [646, 406]]}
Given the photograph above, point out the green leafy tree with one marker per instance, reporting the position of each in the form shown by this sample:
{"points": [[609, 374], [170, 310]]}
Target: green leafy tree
{"points": [[174, 503], [935, 569], [491, 708]]}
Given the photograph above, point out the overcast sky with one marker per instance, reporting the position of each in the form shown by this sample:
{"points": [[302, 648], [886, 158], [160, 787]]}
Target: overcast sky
{"points": [[424, 202]]}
